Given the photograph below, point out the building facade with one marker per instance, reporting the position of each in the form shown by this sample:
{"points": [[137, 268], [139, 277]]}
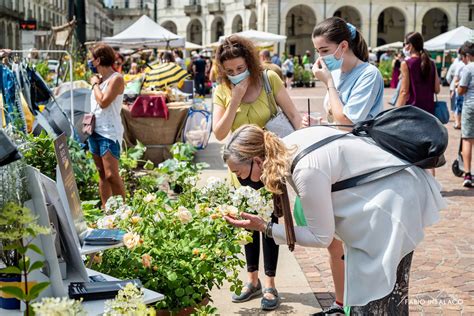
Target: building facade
{"points": [[380, 21], [98, 22]]}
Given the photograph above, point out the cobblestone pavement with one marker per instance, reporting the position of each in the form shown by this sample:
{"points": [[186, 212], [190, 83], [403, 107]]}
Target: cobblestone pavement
{"points": [[442, 274]]}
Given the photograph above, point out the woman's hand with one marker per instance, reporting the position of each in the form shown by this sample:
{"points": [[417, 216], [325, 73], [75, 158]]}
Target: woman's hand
{"points": [[239, 90], [310, 121], [95, 80], [321, 71], [249, 221]]}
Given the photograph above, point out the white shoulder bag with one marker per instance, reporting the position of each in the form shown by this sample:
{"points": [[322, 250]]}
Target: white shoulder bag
{"points": [[279, 122]]}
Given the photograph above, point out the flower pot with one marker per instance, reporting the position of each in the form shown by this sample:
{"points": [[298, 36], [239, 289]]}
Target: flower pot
{"points": [[182, 312], [6, 300]]}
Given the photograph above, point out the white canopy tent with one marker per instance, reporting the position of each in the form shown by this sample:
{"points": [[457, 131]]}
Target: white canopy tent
{"points": [[450, 40], [192, 46], [259, 36], [394, 46], [145, 33]]}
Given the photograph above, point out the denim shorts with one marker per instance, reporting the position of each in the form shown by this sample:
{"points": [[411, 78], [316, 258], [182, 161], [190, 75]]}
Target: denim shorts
{"points": [[458, 104], [99, 145]]}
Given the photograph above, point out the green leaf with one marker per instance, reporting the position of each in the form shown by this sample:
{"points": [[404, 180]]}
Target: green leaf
{"points": [[189, 290], [35, 249], [14, 291], [36, 290], [179, 292], [172, 276], [35, 266], [11, 270]]}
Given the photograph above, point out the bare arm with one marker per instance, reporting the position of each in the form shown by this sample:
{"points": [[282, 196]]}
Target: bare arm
{"points": [[115, 87], [462, 90], [223, 118], [437, 87], [405, 87], [336, 105], [284, 101]]}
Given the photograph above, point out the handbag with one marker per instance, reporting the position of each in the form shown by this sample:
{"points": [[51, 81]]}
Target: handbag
{"points": [[150, 106], [8, 151], [88, 124], [279, 122], [458, 164], [441, 111], [407, 132]]}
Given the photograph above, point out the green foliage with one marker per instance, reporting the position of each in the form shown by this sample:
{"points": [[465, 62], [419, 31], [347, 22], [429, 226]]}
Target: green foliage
{"points": [[385, 68], [38, 151], [18, 228], [42, 69]]}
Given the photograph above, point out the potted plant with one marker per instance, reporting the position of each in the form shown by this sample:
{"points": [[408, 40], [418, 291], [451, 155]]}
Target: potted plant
{"points": [[181, 248], [9, 258], [385, 68], [18, 228]]}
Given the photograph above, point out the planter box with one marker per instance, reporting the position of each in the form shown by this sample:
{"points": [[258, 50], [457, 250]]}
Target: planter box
{"points": [[183, 312]]}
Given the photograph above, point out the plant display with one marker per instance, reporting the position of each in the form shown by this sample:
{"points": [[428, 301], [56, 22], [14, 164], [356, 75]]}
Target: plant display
{"points": [[58, 306], [129, 301], [18, 228], [385, 68]]}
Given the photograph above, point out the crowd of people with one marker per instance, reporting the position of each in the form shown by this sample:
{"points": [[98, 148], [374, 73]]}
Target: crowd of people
{"points": [[370, 231]]}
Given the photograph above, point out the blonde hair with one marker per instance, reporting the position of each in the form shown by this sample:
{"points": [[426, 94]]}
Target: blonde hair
{"points": [[251, 141]]}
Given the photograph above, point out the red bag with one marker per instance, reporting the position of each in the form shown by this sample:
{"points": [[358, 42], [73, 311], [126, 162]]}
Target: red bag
{"points": [[150, 106]]}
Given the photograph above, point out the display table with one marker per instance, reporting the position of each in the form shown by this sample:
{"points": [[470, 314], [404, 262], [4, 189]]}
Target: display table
{"points": [[157, 134], [93, 307]]}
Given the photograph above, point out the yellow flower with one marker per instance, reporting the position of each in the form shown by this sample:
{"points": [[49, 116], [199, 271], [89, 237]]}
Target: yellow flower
{"points": [[131, 240], [146, 261], [135, 219], [155, 268], [97, 259], [203, 256], [195, 251]]}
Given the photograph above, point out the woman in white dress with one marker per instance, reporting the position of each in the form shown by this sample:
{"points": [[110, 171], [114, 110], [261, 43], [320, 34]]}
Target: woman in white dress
{"points": [[380, 223]]}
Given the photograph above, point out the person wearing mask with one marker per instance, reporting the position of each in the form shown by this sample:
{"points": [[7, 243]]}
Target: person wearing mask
{"points": [[356, 95], [420, 81], [106, 104], [199, 71], [466, 89], [267, 63], [288, 68], [241, 99], [381, 222]]}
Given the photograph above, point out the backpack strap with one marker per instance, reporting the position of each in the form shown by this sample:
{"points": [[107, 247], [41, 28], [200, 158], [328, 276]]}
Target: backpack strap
{"points": [[360, 179]]}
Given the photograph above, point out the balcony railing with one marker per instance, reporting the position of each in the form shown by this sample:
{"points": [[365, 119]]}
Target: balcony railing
{"points": [[250, 4], [193, 9]]}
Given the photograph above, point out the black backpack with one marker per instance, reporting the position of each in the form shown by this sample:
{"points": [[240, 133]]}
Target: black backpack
{"points": [[407, 132]]}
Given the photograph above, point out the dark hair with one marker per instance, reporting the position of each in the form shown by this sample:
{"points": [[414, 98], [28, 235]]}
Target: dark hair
{"points": [[467, 48], [336, 30], [416, 40], [167, 57], [236, 46], [105, 53], [265, 53], [178, 53]]}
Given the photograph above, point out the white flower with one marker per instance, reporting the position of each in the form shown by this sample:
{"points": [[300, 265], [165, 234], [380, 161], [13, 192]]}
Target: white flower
{"points": [[244, 237], [131, 240], [106, 222], [113, 203], [150, 197], [49, 306], [124, 212], [184, 215], [228, 210], [192, 181], [168, 208]]}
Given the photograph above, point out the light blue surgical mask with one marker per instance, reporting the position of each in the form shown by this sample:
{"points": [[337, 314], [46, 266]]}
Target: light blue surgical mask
{"points": [[332, 62], [238, 78]]}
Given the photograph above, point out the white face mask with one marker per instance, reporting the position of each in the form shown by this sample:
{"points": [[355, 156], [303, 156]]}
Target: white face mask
{"points": [[406, 52]]}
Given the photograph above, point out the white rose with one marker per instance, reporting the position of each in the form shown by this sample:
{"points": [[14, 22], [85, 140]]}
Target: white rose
{"points": [[131, 240], [113, 203], [106, 222], [168, 208], [150, 197], [184, 215], [126, 213]]}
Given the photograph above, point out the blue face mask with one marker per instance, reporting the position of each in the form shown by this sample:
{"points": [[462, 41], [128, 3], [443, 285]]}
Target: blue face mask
{"points": [[332, 62], [238, 78]]}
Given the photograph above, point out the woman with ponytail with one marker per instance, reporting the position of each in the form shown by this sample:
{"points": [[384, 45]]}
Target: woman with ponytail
{"points": [[420, 82], [380, 222], [354, 96], [357, 94]]}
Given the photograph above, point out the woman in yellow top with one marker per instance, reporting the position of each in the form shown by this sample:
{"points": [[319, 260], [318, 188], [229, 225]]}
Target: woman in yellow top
{"points": [[241, 99]]}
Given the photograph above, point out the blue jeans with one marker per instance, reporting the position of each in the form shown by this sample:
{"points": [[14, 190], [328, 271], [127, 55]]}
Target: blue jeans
{"points": [[99, 145]]}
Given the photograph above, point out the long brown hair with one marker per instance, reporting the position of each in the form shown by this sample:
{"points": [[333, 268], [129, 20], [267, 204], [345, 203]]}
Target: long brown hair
{"points": [[251, 141], [416, 40], [236, 46], [336, 30]]}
